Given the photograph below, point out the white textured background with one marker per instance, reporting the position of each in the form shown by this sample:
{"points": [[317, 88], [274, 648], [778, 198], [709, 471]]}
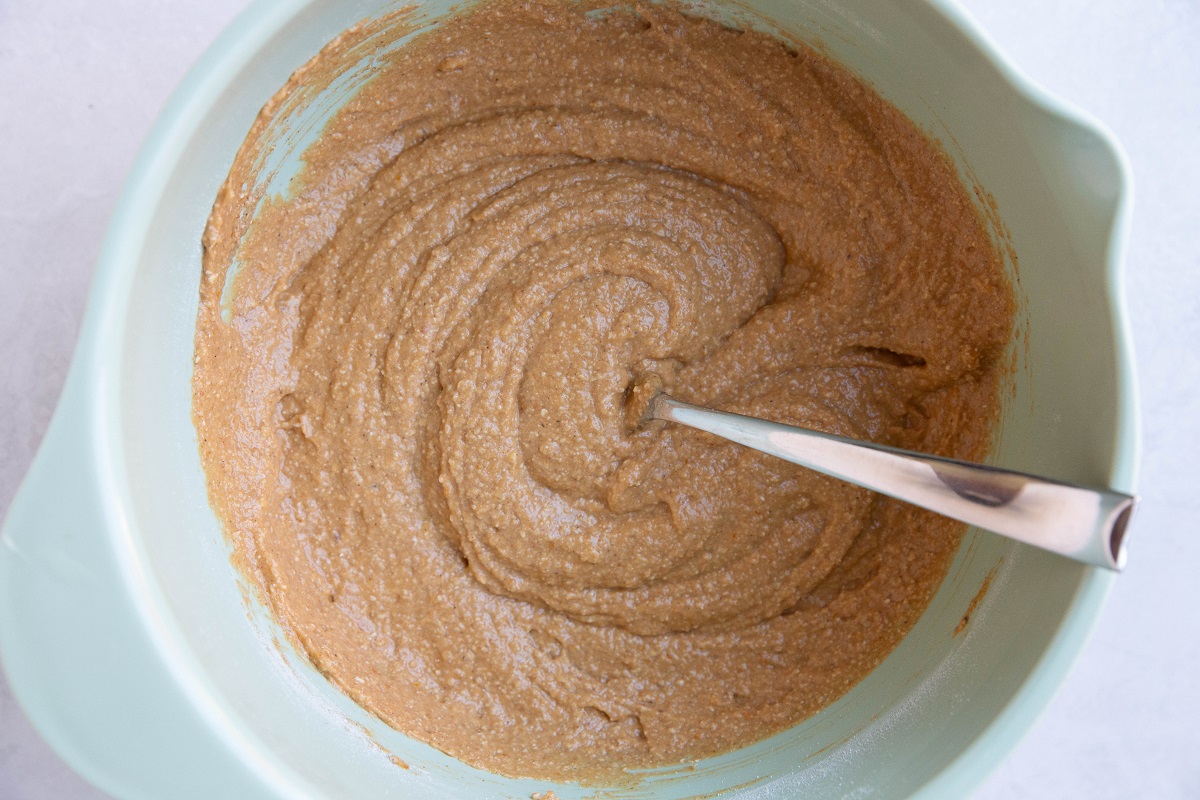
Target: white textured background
{"points": [[82, 80]]}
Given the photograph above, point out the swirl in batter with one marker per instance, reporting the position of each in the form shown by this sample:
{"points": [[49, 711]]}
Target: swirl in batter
{"points": [[412, 413]]}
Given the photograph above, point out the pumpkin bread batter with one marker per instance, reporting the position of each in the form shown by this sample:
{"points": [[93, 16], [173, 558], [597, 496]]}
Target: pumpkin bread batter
{"points": [[411, 399]]}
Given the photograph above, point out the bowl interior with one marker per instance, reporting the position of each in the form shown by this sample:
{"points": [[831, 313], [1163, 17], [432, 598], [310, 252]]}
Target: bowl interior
{"points": [[940, 711]]}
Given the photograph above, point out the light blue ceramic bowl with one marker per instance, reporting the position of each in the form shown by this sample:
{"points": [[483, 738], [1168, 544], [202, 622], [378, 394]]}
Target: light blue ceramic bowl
{"points": [[126, 634]]}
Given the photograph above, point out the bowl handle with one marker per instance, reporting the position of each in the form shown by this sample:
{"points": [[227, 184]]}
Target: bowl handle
{"points": [[77, 646]]}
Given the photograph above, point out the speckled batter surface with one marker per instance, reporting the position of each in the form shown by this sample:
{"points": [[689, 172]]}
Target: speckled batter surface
{"points": [[412, 412]]}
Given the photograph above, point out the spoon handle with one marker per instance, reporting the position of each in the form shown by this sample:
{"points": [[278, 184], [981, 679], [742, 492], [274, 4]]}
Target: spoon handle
{"points": [[1085, 524]]}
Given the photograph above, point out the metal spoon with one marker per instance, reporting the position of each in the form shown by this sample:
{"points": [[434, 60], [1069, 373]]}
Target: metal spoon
{"points": [[1085, 524]]}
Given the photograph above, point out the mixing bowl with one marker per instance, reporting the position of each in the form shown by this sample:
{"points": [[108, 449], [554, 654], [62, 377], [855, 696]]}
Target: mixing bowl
{"points": [[147, 663]]}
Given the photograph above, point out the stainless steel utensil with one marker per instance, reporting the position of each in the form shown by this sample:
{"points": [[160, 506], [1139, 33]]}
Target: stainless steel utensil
{"points": [[1084, 524]]}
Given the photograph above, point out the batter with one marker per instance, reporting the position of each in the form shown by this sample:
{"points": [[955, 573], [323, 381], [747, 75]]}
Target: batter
{"points": [[411, 399]]}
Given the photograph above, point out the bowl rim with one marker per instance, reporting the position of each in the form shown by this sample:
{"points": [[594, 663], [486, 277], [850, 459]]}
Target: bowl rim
{"points": [[93, 367]]}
